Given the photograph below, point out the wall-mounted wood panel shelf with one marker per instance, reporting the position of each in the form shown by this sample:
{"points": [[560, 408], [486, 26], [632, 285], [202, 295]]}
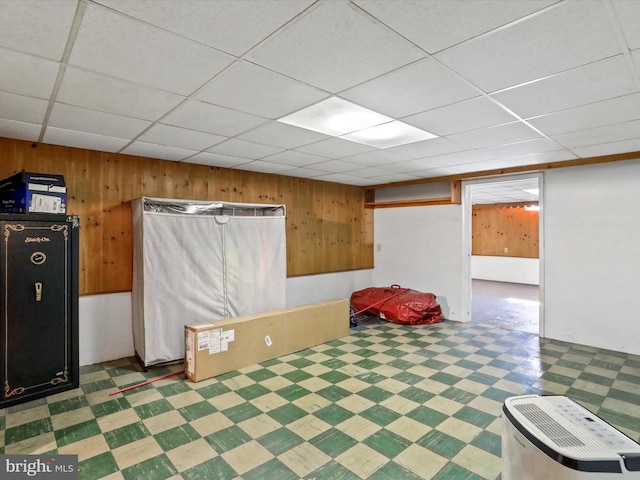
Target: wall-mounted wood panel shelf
{"points": [[454, 198]]}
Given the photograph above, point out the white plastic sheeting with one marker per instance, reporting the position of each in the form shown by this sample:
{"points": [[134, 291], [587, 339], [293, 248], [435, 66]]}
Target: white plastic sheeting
{"points": [[197, 261]]}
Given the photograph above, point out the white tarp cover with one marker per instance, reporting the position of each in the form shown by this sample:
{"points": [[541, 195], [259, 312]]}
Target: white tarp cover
{"points": [[197, 261]]}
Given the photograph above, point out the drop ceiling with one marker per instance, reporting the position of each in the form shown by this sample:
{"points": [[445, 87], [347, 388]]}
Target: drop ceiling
{"points": [[521, 190], [501, 83]]}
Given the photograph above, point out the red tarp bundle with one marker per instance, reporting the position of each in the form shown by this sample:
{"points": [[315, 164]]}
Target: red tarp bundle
{"points": [[398, 305]]}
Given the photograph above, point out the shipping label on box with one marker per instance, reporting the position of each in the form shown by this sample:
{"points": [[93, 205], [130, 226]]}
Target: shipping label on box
{"points": [[189, 351], [29, 202], [46, 203]]}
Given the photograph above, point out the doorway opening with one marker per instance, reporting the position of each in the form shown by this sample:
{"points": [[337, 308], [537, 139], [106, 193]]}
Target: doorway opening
{"points": [[503, 249]]}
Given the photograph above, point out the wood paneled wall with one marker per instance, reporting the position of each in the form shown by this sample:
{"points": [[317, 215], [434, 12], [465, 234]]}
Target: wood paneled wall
{"points": [[328, 227], [495, 228]]}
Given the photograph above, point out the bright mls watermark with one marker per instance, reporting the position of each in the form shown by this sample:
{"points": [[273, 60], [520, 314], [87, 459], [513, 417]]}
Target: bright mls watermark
{"points": [[51, 467]]}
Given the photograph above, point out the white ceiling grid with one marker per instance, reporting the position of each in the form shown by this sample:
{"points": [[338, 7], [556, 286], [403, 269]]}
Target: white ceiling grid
{"points": [[502, 83], [521, 190]]}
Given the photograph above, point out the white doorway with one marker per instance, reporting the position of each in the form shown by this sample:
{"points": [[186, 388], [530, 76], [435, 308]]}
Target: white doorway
{"points": [[511, 295]]}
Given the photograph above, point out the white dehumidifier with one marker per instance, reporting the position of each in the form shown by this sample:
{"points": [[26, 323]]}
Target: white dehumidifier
{"points": [[554, 438]]}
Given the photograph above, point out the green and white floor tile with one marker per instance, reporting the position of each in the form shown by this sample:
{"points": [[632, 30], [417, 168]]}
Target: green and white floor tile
{"points": [[387, 402]]}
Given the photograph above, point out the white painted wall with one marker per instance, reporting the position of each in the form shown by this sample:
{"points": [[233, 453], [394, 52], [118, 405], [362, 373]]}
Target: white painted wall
{"points": [[105, 320], [592, 255], [420, 248], [316, 288], [105, 328], [506, 269]]}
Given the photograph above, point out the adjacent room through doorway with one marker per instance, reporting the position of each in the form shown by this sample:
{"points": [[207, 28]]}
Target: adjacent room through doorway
{"points": [[505, 254], [511, 306]]}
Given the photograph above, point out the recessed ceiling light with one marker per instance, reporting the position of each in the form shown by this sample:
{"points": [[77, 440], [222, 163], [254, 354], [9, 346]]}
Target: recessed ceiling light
{"points": [[335, 117], [339, 118], [390, 134]]}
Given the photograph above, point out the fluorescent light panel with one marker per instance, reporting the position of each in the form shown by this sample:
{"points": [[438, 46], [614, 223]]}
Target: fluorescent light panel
{"points": [[339, 118], [390, 134]]}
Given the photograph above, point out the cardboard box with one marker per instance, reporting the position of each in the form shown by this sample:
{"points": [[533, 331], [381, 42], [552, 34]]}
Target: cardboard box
{"points": [[214, 348], [27, 192]]}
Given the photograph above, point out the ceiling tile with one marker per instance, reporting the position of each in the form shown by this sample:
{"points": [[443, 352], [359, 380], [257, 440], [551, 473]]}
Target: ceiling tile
{"points": [[485, 189], [264, 167], [423, 85], [256, 90], [40, 27], [180, 137], [413, 165], [635, 55], [548, 43], [501, 134], [335, 148], [336, 166], [79, 119], [376, 157], [19, 130], [545, 157], [615, 110], [90, 141], [217, 160], [504, 192], [427, 148], [106, 94], [153, 150], [119, 46], [592, 83], [394, 177], [346, 179], [435, 172], [520, 197], [517, 149], [612, 148], [595, 136], [352, 50], [628, 14], [435, 25], [459, 117], [228, 25], [205, 117], [370, 172], [282, 135], [26, 74], [457, 158], [510, 189], [480, 166], [303, 172], [294, 159], [242, 149], [21, 108]]}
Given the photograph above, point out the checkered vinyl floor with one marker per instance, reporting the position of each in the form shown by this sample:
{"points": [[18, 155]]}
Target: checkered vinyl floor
{"points": [[387, 402]]}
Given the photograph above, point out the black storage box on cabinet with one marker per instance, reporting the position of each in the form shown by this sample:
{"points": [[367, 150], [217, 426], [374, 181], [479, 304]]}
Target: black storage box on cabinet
{"points": [[39, 306], [27, 192]]}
